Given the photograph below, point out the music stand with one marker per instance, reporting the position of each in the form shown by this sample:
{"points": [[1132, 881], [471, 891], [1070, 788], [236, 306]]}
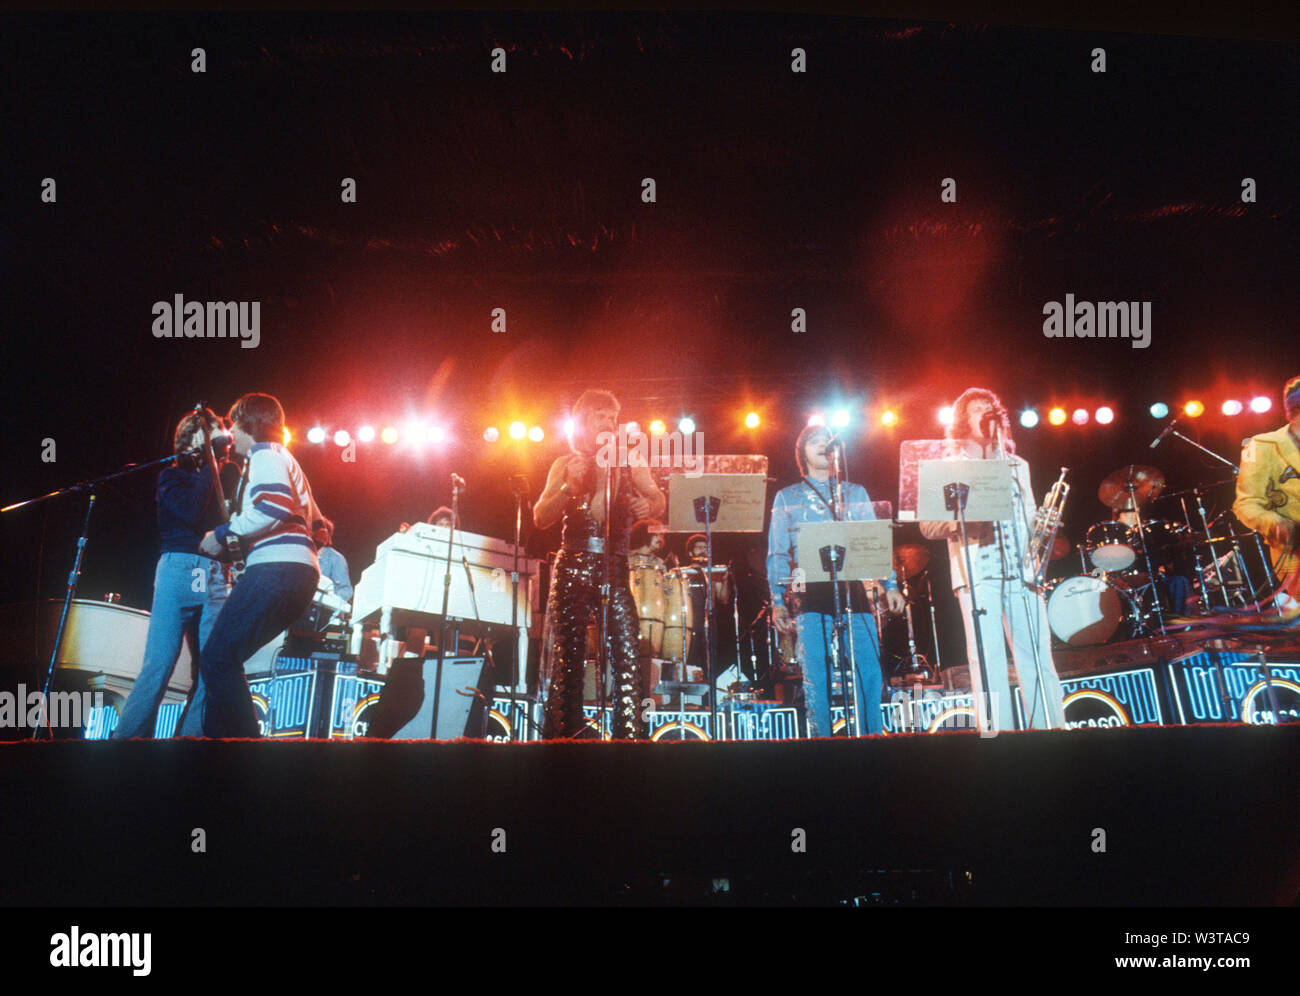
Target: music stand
{"points": [[969, 491], [846, 550], [729, 503]]}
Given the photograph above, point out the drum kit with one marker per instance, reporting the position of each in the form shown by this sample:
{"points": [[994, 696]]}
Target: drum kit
{"points": [[1137, 557]]}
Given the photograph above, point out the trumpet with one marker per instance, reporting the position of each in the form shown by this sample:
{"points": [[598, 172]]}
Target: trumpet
{"points": [[1047, 522]]}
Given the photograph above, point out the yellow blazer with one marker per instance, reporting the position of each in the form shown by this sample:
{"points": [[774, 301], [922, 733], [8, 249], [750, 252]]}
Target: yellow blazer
{"points": [[1268, 495]]}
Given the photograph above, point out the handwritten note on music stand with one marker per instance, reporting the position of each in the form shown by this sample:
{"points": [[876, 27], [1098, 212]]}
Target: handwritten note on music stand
{"points": [[867, 550], [989, 498], [740, 501]]}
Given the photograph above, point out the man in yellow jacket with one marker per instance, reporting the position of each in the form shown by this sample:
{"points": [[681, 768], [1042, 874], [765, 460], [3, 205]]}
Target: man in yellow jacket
{"points": [[1268, 489]]}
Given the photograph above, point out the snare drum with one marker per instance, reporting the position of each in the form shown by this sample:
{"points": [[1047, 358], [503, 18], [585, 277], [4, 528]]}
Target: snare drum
{"points": [[679, 615], [1112, 546], [650, 594], [1085, 611]]}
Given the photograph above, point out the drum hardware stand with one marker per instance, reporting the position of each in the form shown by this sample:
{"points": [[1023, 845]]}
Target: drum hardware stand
{"points": [[934, 626], [74, 575], [1236, 470], [1146, 557], [1214, 560], [917, 669], [954, 499], [1202, 594]]}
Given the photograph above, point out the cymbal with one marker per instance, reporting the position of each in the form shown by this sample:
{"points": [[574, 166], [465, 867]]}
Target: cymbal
{"points": [[1146, 483], [910, 559], [1060, 547]]}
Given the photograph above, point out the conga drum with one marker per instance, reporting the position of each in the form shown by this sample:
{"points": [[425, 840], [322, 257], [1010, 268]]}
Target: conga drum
{"points": [[679, 622], [648, 591]]}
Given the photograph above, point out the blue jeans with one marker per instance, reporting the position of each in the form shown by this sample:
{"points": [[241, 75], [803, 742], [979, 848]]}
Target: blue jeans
{"points": [[179, 613], [814, 651], [266, 600]]}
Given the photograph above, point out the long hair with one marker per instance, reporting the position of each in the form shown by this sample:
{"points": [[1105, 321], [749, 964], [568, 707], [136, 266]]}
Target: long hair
{"points": [[958, 428], [186, 436]]}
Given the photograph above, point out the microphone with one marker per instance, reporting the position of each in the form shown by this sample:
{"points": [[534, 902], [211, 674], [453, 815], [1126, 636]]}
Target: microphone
{"points": [[1165, 432], [519, 485], [458, 482], [989, 424]]}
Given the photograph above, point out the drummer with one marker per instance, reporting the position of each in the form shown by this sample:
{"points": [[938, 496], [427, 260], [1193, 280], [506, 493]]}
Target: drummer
{"points": [[645, 541], [1172, 583]]}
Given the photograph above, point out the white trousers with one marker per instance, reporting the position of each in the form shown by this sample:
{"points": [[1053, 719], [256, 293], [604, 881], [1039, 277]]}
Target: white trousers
{"points": [[1017, 615]]}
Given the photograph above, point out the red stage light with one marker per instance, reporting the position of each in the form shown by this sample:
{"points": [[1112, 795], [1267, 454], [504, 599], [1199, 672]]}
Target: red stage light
{"points": [[1080, 416], [817, 419], [388, 435], [1233, 407], [1104, 415], [1261, 403], [366, 433], [491, 434], [1057, 416], [1193, 409], [342, 437]]}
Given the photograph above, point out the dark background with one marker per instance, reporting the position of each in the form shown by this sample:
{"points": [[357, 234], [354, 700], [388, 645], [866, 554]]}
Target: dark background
{"points": [[522, 191]]}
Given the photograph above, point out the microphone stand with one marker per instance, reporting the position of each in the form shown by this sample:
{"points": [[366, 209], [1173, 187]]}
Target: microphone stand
{"points": [[446, 577], [520, 487], [841, 661], [954, 500], [602, 655], [1032, 618], [70, 591]]}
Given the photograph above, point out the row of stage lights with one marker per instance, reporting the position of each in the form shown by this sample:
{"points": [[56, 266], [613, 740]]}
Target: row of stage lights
{"points": [[841, 418]]}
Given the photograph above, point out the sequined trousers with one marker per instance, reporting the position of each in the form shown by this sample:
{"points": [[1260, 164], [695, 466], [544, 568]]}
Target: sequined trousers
{"points": [[575, 603]]}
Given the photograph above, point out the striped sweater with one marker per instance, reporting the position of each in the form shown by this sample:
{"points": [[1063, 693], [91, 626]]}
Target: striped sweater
{"points": [[275, 510]]}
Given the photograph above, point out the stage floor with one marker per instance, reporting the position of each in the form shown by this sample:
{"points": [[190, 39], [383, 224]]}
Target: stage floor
{"points": [[1186, 815]]}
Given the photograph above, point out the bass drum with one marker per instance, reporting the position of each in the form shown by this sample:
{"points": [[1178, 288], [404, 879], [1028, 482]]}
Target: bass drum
{"points": [[1085, 611], [679, 616]]}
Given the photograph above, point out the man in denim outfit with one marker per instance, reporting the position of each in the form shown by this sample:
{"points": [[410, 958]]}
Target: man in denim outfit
{"points": [[811, 501], [189, 588]]}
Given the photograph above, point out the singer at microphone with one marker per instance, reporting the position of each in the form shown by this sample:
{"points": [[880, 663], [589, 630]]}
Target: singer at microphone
{"points": [[1164, 433], [458, 482]]}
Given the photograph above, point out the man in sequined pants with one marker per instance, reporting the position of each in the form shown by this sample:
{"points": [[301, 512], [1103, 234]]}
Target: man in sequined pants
{"points": [[575, 493]]}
